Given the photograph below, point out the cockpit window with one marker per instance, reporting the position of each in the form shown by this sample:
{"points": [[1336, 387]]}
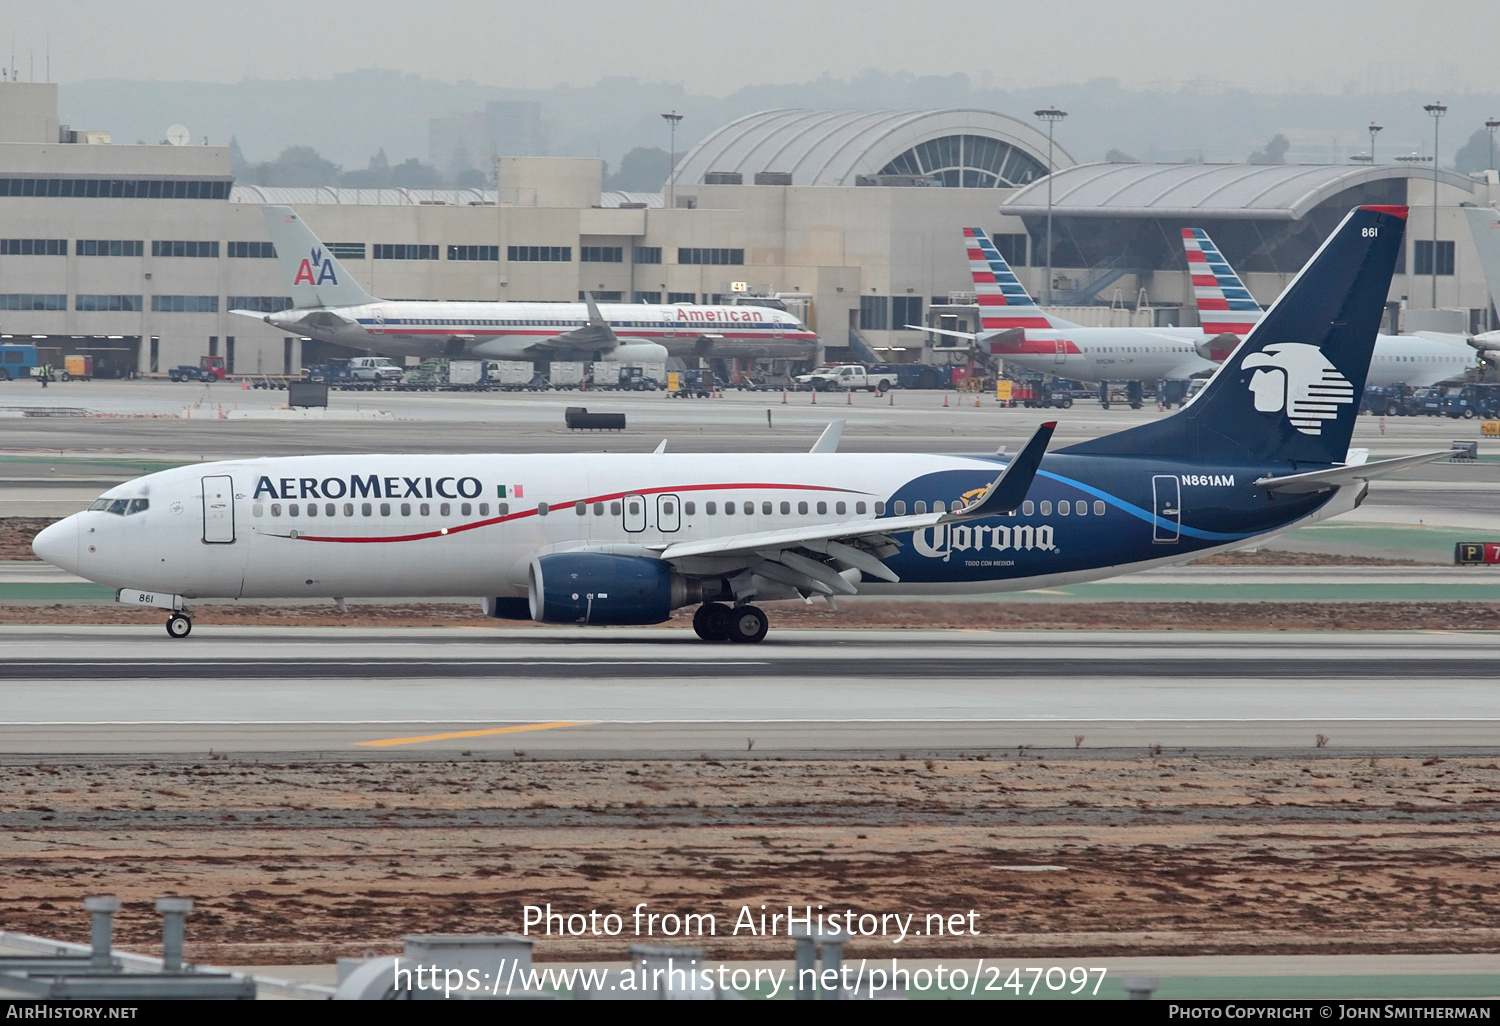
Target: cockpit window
{"points": [[121, 507]]}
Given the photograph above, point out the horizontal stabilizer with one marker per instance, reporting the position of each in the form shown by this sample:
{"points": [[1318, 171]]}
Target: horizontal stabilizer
{"points": [[942, 331], [1334, 477]]}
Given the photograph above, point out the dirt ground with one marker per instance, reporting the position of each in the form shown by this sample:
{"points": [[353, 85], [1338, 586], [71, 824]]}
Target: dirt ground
{"points": [[1166, 853], [16, 534]]}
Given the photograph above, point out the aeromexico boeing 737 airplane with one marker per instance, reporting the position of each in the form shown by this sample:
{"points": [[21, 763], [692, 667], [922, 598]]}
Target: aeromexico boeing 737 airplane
{"points": [[1015, 328], [625, 539], [328, 304]]}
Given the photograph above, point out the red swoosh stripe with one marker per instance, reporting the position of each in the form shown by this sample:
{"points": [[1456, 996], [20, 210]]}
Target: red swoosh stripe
{"points": [[561, 506]]}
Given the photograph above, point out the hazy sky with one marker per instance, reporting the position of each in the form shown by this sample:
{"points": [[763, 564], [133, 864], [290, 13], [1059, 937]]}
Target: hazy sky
{"points": [[714, 47]]}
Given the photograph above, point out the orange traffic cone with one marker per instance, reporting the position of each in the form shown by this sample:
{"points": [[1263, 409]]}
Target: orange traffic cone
{"points": [[848, 398], [893, 397], [945, 398], [976, 402], [815, 397], [245, 384], [783, 397]]}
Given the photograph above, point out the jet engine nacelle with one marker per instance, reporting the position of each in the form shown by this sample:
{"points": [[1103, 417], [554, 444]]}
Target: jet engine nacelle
{"points": [[637, 351], [599, 588]]}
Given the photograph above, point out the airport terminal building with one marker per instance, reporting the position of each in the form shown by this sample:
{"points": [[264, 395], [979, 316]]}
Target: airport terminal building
{"points": [[136, 254]]}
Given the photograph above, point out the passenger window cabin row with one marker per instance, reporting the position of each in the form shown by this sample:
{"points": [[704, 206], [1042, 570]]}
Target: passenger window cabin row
{"points": [[728, 508], [367, 509]]}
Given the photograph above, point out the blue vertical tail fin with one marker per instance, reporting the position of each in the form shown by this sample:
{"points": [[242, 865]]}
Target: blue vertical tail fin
{"points": [[1291, 390]]}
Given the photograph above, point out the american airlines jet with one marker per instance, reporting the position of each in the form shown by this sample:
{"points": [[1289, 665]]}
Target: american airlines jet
{"points": [[1018, 330], [615, 538], [1484, 226], [1012, 326], [328, 304], [1227, 312]]}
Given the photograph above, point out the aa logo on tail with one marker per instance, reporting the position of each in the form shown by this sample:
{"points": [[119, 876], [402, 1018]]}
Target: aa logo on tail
{"points": [[315, 269], [1297, 378]]}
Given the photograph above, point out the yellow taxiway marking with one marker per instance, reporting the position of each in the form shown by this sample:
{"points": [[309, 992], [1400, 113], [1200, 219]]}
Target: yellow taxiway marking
{"points": [[385, 742]]}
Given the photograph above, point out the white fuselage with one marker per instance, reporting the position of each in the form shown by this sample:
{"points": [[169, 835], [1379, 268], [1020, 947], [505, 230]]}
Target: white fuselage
{"points": [[471, 525], [1139, 354], [1108, 354], [521, 330]]}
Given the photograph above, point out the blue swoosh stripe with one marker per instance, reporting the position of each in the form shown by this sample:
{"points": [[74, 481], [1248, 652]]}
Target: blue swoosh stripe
{"points": [[1147, 515]]}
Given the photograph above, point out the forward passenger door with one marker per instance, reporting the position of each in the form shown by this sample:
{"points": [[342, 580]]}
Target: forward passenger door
{"points": [[218, 510]]}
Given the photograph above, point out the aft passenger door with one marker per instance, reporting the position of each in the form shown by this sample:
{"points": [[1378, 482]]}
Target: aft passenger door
{"points": [[1166, 501], [218, 510], [668, 513], [634, 513], [1061, 352]]}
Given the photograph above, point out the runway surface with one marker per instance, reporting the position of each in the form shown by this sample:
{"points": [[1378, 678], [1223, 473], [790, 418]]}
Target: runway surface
{"points": [[361, 693]]}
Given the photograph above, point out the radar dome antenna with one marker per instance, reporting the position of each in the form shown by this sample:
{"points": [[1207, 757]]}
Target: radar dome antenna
{"points": [[178, 135]]}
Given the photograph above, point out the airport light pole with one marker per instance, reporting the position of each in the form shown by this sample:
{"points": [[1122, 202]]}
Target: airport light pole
{"points": [[1491, 125], [672, 120], [1052, 116], [1437, 110], [1374, 130]]}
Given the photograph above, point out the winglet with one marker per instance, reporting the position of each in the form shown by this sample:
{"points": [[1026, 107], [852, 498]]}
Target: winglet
{"points": [[596, 319], [1006, 493], [828, 441], [660, 448]]}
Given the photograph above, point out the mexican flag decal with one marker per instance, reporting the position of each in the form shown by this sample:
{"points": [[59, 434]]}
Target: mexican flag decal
{"points": [[515, 492]]}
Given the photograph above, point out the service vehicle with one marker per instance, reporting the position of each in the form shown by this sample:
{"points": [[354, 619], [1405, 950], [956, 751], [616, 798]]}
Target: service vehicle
{"points": [[78, 367], [209, 368], [379, 370], [849, 377], [17, 361]]}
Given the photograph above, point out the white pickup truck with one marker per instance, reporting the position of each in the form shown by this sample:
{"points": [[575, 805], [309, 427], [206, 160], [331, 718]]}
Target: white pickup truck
{"points": [[848, 377]]}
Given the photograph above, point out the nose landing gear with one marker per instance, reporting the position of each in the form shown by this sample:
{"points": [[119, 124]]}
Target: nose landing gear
{"points": [[715, 621], [179, 625]]}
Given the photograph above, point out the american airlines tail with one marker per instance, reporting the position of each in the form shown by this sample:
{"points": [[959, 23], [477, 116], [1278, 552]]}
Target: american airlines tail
{"points": [[1225, 306], [1484, 225], [1003, 301], [1290, 391], [314, 276]]}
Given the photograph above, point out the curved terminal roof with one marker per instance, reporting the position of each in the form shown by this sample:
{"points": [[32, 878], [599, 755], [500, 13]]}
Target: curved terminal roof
{"points": [[1205, 191], [834, 147], [329, 194]]}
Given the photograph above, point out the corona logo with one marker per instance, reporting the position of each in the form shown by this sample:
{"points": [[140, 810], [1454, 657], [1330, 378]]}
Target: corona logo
{"points": [[315, 269], [942, 541]]}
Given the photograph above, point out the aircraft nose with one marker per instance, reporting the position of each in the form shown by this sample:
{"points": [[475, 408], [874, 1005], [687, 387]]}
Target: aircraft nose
{"points": [[58, 544]]}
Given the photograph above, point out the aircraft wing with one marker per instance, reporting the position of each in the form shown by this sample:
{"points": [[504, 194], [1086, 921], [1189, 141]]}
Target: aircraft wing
{"points": [[594, 335], [1334, 477], [818, 559]]}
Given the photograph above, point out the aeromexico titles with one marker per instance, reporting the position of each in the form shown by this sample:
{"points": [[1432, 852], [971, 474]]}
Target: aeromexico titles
{"points": [[611, 538], [328, 304], [1014, 327]]}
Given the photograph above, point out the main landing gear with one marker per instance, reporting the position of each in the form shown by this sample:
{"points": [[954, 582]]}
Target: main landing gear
{"points": [[715, 621], [179, 625]]}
